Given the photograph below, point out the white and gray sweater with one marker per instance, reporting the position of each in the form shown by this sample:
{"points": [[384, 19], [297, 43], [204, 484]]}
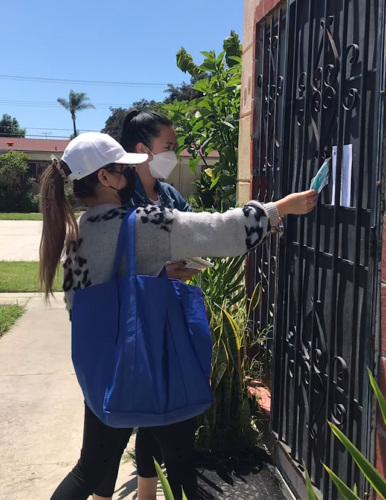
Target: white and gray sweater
{"points": [[161, 235]]}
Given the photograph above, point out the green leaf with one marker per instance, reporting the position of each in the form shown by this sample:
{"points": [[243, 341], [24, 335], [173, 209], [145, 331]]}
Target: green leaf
{"points": [[193, 162], [204, 111], [208, 65], [256, 296], [245, 414], [227, 124], [198, 126], [186, 64], [310, 489], [214, 182], [343, 489], [220, 58], [238, 59], [381, 399], [218, 375], [164, 482], [369, 471], [235, 328], [225, 180]]}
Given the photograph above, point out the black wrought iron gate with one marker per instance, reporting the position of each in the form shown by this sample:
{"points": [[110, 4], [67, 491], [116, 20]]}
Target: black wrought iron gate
{"points": [[318, 94]]}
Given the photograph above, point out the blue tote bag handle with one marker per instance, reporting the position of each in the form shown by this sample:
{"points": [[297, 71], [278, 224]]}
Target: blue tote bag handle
{"points": [[122, 242]]}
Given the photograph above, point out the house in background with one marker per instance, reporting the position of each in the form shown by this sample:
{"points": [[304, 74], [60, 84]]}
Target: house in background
{"points": [[39, 152]]}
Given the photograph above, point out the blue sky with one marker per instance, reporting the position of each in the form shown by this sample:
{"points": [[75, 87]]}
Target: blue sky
{"points": [[133, 41]]}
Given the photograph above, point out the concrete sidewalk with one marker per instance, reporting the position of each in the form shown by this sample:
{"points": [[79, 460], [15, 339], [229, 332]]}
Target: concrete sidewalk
{"points": [[20, 239], [41, 411]]}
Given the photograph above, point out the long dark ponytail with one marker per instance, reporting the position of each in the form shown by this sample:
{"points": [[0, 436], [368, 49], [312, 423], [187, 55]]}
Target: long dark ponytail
{"points": [[58, 222]]}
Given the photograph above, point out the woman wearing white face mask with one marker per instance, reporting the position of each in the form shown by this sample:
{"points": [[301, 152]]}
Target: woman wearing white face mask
{"points": [[153, 133]]}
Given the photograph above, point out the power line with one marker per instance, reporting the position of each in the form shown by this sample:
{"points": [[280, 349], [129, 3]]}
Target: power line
{"points": [[49, 128], [33, 136], [54, 103], [46, 106], [83, 82]]}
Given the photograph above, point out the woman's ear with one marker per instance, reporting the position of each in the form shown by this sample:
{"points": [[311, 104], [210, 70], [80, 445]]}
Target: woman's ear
{"points": [[141, 148], [102, 177]]}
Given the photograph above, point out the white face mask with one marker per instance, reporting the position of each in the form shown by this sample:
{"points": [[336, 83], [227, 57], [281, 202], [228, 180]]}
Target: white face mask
{"points": [[162, 165]]}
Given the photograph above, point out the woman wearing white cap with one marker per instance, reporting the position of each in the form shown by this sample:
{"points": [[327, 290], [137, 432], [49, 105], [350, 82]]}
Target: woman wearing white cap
{"points": [[98, 166]]}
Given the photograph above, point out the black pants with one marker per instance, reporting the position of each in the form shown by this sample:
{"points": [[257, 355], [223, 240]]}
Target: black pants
{"points": [[103, 446]]}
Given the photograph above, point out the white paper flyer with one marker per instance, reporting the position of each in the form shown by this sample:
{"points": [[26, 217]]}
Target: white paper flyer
{"points": [[345, 181]]}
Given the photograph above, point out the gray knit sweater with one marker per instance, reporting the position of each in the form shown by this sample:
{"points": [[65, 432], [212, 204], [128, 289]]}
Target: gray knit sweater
{"points": [[161, 235]]}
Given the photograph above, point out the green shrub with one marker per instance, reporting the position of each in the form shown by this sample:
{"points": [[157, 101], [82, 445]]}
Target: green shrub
{"points": [[16, 184], [228, 422], [18, 198]]}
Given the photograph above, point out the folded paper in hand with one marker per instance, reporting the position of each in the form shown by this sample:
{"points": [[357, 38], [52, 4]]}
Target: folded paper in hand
{"points": [[197, 263]]}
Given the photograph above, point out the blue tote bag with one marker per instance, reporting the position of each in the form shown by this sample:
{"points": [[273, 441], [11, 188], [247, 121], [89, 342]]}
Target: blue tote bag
{"points": [[141, 345]]}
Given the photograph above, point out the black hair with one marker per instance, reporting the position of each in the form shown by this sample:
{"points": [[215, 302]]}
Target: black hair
{"points": [[141, 126]]}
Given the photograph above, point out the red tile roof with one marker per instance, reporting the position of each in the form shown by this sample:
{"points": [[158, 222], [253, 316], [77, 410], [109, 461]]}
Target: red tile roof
{"points": [[213, 154], [41, 145], [52, 146]]}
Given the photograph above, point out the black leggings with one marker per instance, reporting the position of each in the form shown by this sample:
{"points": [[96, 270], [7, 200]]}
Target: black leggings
{"points": [[102, 450]]}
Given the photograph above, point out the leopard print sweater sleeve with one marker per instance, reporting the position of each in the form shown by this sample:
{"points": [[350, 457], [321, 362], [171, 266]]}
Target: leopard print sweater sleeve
{"points": [[161, 235]]}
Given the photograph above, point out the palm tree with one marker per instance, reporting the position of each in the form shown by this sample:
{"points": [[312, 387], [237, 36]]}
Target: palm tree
{"points": [[76, 102]]}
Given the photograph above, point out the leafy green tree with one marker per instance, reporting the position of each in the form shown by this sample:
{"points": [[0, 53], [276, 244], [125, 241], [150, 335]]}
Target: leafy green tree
{"points": [[114, 122], [15, 183], [211, 122], [9, 127], [145, 105], [77, 101], [183, 92]]}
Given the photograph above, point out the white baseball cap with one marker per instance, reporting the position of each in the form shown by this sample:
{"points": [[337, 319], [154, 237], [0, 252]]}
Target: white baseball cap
{"points": [[91, 151]]}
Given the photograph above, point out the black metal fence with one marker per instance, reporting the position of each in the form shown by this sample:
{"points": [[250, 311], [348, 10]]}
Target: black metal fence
{"points": [[318, 80]]}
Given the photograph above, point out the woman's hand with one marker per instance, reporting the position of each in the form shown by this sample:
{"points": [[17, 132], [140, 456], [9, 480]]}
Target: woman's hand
{"points": [[297, 203], [177, 271]]}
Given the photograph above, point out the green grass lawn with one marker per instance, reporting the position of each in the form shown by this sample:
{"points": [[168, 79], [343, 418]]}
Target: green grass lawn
{"points": [[23, 277], [9, 314], [32, 216], [20, 216]]}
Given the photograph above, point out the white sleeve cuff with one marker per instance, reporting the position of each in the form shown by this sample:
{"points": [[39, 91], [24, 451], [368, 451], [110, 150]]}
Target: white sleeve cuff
{"points": [[272, 212]]}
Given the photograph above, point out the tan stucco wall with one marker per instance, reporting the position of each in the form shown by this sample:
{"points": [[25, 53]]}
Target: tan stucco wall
{"points": [[182, 178], [247, 79]]}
